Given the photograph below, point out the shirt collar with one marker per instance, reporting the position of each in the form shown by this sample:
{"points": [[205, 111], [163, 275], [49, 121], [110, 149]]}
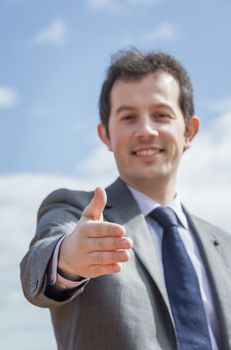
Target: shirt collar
{"points": [[147, 204]]}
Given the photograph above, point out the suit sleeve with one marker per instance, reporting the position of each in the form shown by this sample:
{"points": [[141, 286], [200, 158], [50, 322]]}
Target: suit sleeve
{"points": [[57, 216]]}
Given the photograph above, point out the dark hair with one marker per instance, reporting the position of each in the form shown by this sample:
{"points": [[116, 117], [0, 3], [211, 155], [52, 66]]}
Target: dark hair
{"points": [[132, 65]]}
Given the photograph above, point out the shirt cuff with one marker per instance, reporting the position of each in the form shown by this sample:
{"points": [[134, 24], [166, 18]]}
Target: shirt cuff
{"points": [[60, 281]]}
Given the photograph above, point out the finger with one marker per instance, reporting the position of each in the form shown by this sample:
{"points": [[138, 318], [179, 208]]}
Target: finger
{"points": [[108, 258], [103, 229], [100, 270], [109, 243], [95, 208]]}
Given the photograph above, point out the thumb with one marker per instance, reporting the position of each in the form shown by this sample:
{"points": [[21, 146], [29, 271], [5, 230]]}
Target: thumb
{"points": [[95, 208]]}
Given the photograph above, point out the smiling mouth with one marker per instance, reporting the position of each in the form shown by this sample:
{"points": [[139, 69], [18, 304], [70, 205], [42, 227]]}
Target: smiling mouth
{"points": [[147, 152]]}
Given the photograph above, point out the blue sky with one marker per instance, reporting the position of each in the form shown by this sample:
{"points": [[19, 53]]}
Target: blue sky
{"points": [[54, 55], [53, 59]]}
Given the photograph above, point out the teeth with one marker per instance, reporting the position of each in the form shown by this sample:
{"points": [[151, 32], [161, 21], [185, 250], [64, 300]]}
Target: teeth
{"points": [[147, 152]]}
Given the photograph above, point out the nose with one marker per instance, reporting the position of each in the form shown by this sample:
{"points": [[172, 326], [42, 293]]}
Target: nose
{"points": [[146, 128]]}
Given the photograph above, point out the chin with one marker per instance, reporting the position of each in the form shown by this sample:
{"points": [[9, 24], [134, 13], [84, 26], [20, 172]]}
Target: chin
{"points": [[142, 178]]}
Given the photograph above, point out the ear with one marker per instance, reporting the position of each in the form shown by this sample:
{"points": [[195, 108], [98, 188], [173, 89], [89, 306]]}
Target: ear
{"points": [[102, 132], [191, 131]]}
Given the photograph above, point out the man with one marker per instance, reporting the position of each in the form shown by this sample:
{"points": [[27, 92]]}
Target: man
{"points": [[113, 273]]}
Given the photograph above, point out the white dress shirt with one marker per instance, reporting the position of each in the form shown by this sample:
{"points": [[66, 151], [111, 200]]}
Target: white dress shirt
{"points": [[146, 205]]}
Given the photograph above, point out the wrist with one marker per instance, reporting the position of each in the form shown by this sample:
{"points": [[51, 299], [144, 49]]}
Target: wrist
{"points": [[64, 267], [68, 275]]}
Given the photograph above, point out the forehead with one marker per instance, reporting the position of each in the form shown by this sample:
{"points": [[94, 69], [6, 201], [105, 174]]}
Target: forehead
{"points": [[157, 87]]}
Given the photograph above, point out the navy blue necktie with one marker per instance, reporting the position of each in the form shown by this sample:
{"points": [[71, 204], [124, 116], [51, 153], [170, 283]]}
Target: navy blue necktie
{"points": [[182, 286]]}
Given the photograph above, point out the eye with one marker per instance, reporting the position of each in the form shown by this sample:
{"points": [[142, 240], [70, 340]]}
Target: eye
{"points": [[128, 118], [162, 116]]}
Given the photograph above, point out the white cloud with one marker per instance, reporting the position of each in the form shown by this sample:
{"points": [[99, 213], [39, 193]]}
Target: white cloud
{"points": [[99, 4], [206, 172], [8, 97], [143, 2], [54, 33], [103, 174], [221, 105], [165, 31], [14, 2], [115, 5]]}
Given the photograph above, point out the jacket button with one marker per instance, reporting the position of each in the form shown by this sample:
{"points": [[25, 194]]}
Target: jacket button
{"points": [[34, 286]]}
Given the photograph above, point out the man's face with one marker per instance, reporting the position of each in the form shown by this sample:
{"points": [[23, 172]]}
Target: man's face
{"points": [[147, 131]]}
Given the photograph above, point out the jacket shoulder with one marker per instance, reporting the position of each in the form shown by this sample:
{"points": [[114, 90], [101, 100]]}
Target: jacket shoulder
{"points": [[64, 195], [65, 198]]}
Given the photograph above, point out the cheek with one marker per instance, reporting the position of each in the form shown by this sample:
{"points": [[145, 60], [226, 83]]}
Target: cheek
{"points": [[115, 144], [174, 138], [119, 140]]}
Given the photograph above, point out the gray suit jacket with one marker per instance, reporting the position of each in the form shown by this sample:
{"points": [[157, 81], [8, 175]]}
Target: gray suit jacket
{"points": [[129, 310]]}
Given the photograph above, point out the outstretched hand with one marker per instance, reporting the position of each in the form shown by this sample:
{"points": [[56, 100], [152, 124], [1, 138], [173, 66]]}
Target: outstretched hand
{"points": [[95, 247]]}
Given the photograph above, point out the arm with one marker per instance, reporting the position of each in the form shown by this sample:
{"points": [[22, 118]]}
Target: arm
{"points": [[57, 217], [93, 247]]}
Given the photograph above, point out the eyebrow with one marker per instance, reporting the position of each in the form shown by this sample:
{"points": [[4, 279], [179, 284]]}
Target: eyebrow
{"points": [[125, 108], [165, 106], [130, 108]]}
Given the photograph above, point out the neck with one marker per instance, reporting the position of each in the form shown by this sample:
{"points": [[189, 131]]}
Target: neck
{"points": [[162, 192]]}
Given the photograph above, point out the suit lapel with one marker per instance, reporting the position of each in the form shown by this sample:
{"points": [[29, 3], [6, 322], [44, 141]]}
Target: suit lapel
{"points": [[123, 209], [212, 247]]}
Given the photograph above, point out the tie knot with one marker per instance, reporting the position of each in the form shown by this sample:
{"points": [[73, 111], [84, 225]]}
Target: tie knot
{"points": [[164, 216]]}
